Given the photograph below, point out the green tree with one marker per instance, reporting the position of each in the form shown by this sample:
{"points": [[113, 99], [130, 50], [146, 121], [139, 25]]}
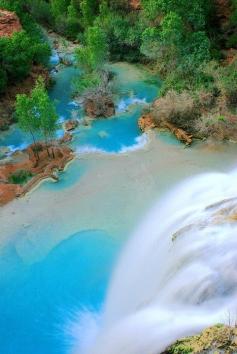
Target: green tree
{"points": [[44, 111], [28, 121], [92, 58], [94, 54], [36, 113], [59, 7], [89, 9]]}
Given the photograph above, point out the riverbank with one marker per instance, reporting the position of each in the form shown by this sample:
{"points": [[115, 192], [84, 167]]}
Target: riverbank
{"points": [[25, 171]]}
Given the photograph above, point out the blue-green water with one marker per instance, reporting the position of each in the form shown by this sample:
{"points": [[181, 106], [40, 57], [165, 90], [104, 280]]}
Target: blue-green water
{"points": [[37, 300], [110, 135]]}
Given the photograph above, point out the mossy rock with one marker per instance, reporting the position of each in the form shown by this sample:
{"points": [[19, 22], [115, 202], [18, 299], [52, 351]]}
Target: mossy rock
{"points": [[219, 339]]}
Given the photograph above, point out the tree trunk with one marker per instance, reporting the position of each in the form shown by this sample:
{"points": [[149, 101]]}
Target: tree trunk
{"points": [[36, 154], [46, 143]]}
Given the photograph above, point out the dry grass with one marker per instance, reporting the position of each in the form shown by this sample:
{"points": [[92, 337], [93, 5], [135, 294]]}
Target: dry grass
{"points": [[178, 109]]}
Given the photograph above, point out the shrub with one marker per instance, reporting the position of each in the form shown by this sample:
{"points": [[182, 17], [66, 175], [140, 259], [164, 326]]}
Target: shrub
{"points": [[224, 80], [20, 177], [216, 126], [179, 109], [181, 349]]}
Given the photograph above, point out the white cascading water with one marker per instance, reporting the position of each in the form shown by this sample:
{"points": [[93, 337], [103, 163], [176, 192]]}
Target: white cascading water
{"points": [[177, 275]]}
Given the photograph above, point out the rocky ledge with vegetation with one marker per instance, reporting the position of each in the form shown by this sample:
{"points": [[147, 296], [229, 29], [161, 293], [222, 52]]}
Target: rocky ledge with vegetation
{"points": [[19, 34], [193, 49], [28, 167], [219, 339], [36, 116]]}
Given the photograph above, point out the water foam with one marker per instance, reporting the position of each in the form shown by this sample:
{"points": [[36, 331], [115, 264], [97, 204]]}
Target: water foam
{"points": [[140, 143], [125, 103], [178, 273]]}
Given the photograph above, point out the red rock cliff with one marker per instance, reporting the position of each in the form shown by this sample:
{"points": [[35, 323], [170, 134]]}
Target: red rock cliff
{"points": [[9, 23]]}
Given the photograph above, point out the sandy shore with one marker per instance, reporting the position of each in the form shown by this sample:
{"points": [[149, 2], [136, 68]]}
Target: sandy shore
{"points": [[112, 194]]}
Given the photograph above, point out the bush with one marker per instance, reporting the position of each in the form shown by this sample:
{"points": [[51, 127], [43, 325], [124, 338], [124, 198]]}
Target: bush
{"points": [[20, 177], [224, 80], [216, 125], [22, 49], [41, 11], [178, 109]]}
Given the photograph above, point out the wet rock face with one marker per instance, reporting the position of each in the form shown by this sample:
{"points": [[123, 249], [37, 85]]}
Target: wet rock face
{"points": [[96, 107], [9, 23]]}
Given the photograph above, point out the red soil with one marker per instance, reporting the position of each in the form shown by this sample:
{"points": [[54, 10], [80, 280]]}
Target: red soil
{"points": [[44, 168]]}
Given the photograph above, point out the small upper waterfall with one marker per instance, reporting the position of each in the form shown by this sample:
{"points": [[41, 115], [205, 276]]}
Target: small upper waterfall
{"points": [[177, 274]]}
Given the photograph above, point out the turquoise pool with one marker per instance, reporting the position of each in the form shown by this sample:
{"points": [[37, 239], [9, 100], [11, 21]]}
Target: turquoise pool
{"points": [[37, 300]]}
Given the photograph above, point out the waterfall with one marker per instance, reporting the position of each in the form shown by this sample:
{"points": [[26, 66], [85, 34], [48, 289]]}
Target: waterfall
{"points": [[177, 274]]}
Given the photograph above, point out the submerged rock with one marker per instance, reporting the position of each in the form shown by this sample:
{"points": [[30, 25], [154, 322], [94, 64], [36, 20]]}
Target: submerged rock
{"points": [[102, 106]]}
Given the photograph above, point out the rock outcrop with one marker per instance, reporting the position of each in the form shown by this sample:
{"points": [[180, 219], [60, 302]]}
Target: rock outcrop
{"points": [[102, 106], [218, 339], [9, 23], [146, 122]]}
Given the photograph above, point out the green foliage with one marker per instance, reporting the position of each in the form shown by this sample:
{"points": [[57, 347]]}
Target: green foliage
{"points": [[233, 18], [36, 112], [176, 40], [44, 110], [59, 7], [181, 349], [22, 49], [123, 29], [86, 82], [25, 112], [88, 9], [41, 11], [92, 58], [20, 177], [3, 79], [224, 80], [94, 54]]}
